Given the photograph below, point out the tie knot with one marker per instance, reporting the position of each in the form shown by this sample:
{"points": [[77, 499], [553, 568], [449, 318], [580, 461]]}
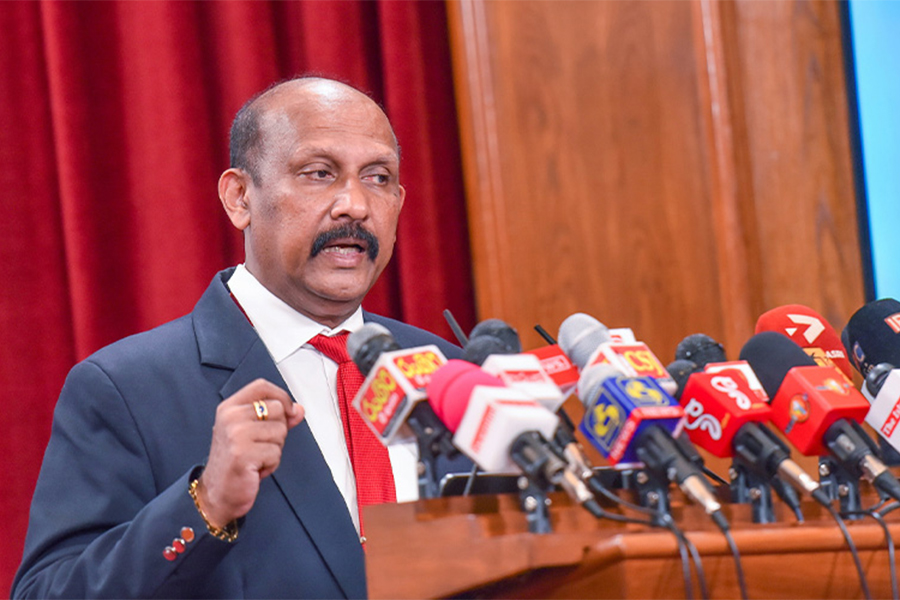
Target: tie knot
{"points": [[334, 347]]}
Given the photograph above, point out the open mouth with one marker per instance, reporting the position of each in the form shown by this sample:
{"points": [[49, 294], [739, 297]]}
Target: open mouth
{"points": [[344, 247], [346, 240]]}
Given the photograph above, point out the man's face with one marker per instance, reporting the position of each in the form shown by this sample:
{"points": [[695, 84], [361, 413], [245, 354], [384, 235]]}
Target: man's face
{"points": [[322, 215]]}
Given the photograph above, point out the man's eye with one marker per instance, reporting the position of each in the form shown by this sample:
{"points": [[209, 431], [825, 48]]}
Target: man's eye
{"points": [[380, 178]]}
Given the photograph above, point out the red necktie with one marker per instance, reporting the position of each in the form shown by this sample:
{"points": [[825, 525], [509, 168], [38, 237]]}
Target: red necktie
{"points": [[368, 456]]}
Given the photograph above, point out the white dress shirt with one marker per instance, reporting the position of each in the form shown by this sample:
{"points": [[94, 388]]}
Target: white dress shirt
{"points": [[311, 378]]}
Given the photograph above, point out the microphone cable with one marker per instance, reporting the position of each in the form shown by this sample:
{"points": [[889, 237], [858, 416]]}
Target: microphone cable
{"points": [[892, 566], [853, 551], [658, 519], [665, 521]]}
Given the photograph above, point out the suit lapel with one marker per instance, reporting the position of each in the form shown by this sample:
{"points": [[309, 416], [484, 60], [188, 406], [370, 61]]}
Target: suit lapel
{"points": [[228, 341]]}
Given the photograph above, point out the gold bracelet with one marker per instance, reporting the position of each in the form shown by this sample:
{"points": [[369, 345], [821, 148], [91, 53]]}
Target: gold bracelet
{"points": [[228, 533]]}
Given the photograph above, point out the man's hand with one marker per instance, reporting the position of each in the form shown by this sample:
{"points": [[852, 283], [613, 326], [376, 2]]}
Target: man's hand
{"points": [[244, 449]]}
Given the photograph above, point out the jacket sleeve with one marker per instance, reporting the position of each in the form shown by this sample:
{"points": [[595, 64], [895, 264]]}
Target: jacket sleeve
{"points": [[99, 521]]}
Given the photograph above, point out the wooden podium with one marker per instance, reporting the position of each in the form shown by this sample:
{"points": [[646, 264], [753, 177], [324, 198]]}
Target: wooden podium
{"points": [[480, 547]]}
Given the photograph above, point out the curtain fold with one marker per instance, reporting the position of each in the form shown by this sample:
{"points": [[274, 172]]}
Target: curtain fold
{"points": [[114, 131]]}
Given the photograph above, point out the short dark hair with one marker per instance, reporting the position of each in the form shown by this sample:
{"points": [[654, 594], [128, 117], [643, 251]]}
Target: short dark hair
{"points": [[245, 137]]}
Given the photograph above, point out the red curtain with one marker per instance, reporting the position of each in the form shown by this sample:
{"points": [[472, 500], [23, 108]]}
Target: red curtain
{"points": [[114, 131]]}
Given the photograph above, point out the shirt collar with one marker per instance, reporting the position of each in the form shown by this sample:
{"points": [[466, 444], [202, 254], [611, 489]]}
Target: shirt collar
{"points": [[282, 329]]}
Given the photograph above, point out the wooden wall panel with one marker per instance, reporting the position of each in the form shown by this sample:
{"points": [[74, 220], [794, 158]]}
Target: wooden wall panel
{"points": [[676, 167]]}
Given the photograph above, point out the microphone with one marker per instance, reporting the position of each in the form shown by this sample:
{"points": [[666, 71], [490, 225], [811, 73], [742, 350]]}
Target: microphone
{"points": [[390, 399], [587, 342], [495, 340], [872, 336], [882, 390], [700, 349], [727, 418], [495, 346], [809, 330], [491, 336], [503, 429], [817, 408], [631, 421], [557, 365]]}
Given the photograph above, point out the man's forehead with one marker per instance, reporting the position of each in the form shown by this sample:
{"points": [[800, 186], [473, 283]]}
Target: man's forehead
{"points": [[309, 106]]}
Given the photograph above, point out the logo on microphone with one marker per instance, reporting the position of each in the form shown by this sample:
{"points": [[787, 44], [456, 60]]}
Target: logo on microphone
{"points": [[555, 364], [833, 385], [419, 367], [893, 322], [702, 421], [798, 411], [729, 387], [813, 327], [891, 423], [858, 355]]}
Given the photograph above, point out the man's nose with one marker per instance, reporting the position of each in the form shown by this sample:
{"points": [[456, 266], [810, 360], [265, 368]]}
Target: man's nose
{"points": [[351, 200]]}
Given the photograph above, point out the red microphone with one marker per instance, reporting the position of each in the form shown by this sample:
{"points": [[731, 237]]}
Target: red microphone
{"points": [[817, 408], [726, 417], [809, 330]]}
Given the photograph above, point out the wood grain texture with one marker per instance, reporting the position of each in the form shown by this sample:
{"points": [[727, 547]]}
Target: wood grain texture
{"points": [[480, 547], [676, 167]]}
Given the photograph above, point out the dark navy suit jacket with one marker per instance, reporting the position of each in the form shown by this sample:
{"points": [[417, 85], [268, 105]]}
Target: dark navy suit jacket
{"points": [[132, 425]]}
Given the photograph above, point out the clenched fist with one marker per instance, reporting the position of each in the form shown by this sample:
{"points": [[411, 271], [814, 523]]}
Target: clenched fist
{"points": [[245, 449]]}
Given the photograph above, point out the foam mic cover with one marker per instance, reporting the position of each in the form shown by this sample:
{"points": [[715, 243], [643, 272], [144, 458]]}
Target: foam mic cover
{"points": [[806, 398], [488, 418], [579, 337], [809, 330], [872, 335], [451, 386], [681, 370], [368, 343], [700, 349], [501, 330]]}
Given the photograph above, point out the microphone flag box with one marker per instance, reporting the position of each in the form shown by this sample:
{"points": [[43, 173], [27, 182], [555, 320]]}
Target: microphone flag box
{"points": [[634, 360], [622, 335], [494, 418], [393, 387], [558, 366], [624, 407], [884, 416], [745, 370], [716, 406], [809, 401], [523, 372]]}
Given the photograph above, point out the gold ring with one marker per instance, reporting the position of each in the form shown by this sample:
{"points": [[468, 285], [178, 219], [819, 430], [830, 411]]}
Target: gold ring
{"points": [[262, 411]]}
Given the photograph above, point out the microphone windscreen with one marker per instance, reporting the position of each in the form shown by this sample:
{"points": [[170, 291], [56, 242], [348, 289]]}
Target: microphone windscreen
{"points": [[772, 355], [500, 330], [809, 330], [479, 348], [451, 387], [872, 335], [681, 370], [700, 349], [367, 343], [591, 379], [579, 336]]}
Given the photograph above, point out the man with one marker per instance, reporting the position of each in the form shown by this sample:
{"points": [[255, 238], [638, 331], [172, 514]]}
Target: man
{"points": [[179, 463]]}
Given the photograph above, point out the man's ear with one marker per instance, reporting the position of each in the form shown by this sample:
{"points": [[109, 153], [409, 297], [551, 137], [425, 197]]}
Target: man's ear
{"points": [[234, 186]]}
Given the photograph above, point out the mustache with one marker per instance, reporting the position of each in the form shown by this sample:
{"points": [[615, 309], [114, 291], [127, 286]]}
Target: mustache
{"points": [[348, 230]]}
